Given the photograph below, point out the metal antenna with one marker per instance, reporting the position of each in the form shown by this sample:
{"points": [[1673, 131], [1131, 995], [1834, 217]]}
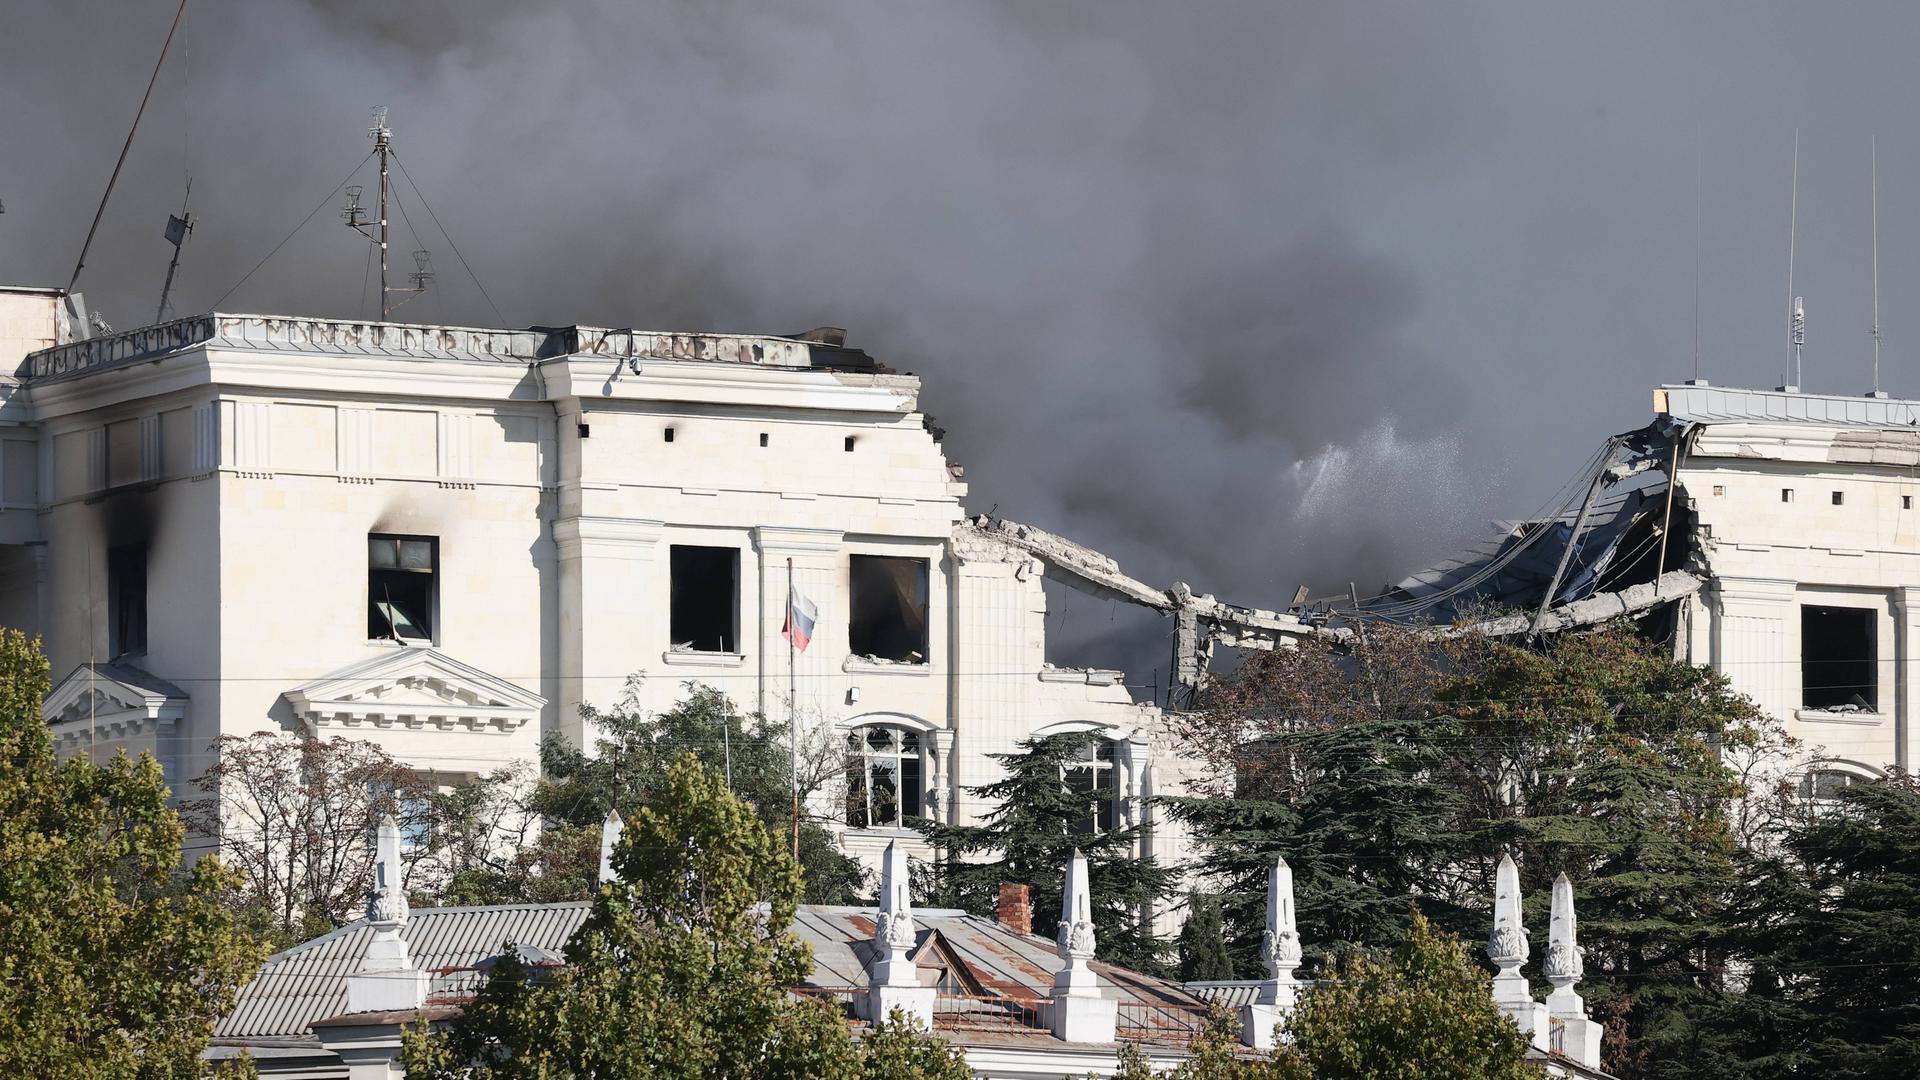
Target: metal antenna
{"points": [[1795, 328], [375, 229], [1873, 158], [178, 227], [1697, 169]]}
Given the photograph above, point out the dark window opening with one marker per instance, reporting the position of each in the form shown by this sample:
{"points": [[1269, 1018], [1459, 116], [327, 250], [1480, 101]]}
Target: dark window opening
{"points": [[1906, 502], [1786, 494], [883, 777], [1838, 668], [705, 596], [1839, 498], [887, 608], [763, 438], [849, 444], [127, 600], [586, 430], [401, 571], [1090, 778], [667, 434]]}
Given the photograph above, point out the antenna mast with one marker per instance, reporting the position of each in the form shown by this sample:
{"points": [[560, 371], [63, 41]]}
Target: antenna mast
{"points": [[1796, 316], [1873, 158], [178, 227], [382, 137]]}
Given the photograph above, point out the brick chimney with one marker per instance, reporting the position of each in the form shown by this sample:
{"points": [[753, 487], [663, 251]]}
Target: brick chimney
{"points": [[1014, 910]]}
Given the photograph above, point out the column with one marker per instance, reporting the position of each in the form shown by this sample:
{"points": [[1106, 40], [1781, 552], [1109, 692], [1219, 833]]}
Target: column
{"points": [[1906, 635], [603, 617]]}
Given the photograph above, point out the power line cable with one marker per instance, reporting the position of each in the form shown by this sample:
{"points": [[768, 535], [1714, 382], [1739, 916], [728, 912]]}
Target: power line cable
{"points": [[124, 147], [283, 240], [443, 232]]}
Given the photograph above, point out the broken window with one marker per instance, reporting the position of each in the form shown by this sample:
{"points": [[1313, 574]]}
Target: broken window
{"points": [[401, 594], [1820, 789], [127, 600], [883, 777], [1090, 776], [887, 608], [1838, 663], [704, 599]]}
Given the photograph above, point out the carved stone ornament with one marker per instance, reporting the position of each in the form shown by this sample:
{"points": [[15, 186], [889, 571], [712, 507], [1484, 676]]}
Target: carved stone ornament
{"points": [[895, 930], [1507, 946], [1281, 950], [1563, 963], [386, 906], [1075, 940]]}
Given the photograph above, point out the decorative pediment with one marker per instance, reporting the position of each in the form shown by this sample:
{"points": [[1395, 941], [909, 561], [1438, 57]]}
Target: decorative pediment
{"points": [[414, 688], [110, 702]]}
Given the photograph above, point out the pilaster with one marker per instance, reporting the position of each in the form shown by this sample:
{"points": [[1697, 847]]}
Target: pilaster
{"points": [[604, 618], [1906, 629], [815, 673]]}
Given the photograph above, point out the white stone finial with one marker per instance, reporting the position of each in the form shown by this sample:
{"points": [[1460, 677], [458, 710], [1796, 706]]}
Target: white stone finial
{"points": [[1507, 948], [1280, 951], [1080, 1012], [387, 899], [610, 831], [387, 980], [1507, 945], [1075, 940], [1562, 966], [893, 983], [894, 930], [1576, 1036]]}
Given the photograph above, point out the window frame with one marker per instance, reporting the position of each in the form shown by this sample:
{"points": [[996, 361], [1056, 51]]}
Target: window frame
{"points": [[433, 575], [1102, 757], [121, 558], [854, 586], [732, 645], [861, 758]]}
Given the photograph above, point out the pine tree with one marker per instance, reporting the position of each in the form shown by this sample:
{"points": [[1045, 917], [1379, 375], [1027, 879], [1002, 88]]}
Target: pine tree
{"points": [[110, 967], [1038, 821], [1203, 942], [1833, 988], [1602, 756]]}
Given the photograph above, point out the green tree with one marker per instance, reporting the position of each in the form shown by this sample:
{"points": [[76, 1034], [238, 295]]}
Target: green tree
{"points": [[683, 968], [628, 769], [107, 968], [896, 1050], [1203, 943], [1602, 756], [1833, 940], [1039, 819], [1424, 1011], [1333, 758]]}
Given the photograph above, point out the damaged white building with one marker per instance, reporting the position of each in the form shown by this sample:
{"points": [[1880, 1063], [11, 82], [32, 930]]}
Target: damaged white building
{"points": [[1771, 535], [445, 540]]}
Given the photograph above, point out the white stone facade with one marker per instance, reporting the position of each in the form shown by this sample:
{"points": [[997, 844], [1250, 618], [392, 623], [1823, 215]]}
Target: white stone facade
{"points": [[1805, 521], [550, 475]]}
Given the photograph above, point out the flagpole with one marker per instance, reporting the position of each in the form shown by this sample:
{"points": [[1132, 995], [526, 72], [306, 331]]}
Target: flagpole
{"points": [[793, 711]]}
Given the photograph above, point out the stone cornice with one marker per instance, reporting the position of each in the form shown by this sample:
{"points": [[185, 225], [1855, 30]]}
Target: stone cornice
{"points": [[775, 540], [606, 537]]}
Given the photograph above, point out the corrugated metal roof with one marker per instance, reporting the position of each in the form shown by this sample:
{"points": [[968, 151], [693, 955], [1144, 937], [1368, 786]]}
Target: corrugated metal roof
{"points": [[1731, 405], [307, 983]]}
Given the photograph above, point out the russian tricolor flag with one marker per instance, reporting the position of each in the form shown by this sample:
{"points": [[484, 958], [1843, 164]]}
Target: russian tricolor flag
{"points": [[800, 616]]}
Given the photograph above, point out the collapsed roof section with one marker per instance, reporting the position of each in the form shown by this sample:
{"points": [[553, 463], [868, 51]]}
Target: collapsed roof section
{"points": [[1611, 543], [1201, 622]]}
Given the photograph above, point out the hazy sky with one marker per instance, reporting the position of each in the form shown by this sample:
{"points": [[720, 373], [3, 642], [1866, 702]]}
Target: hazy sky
{"points": [[1246, 294]]}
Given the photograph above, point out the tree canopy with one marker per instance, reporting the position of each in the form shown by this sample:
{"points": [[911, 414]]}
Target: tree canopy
{"points": [[682, 969], [1393, 773], [1038, 820], [110, 967]]}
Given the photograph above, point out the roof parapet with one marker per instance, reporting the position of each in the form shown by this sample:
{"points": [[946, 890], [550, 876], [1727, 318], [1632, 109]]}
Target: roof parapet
{"points": [[418, 341]]}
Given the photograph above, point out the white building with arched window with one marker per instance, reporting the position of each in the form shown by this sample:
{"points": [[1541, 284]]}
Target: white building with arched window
{"points": [[445, 540]]}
